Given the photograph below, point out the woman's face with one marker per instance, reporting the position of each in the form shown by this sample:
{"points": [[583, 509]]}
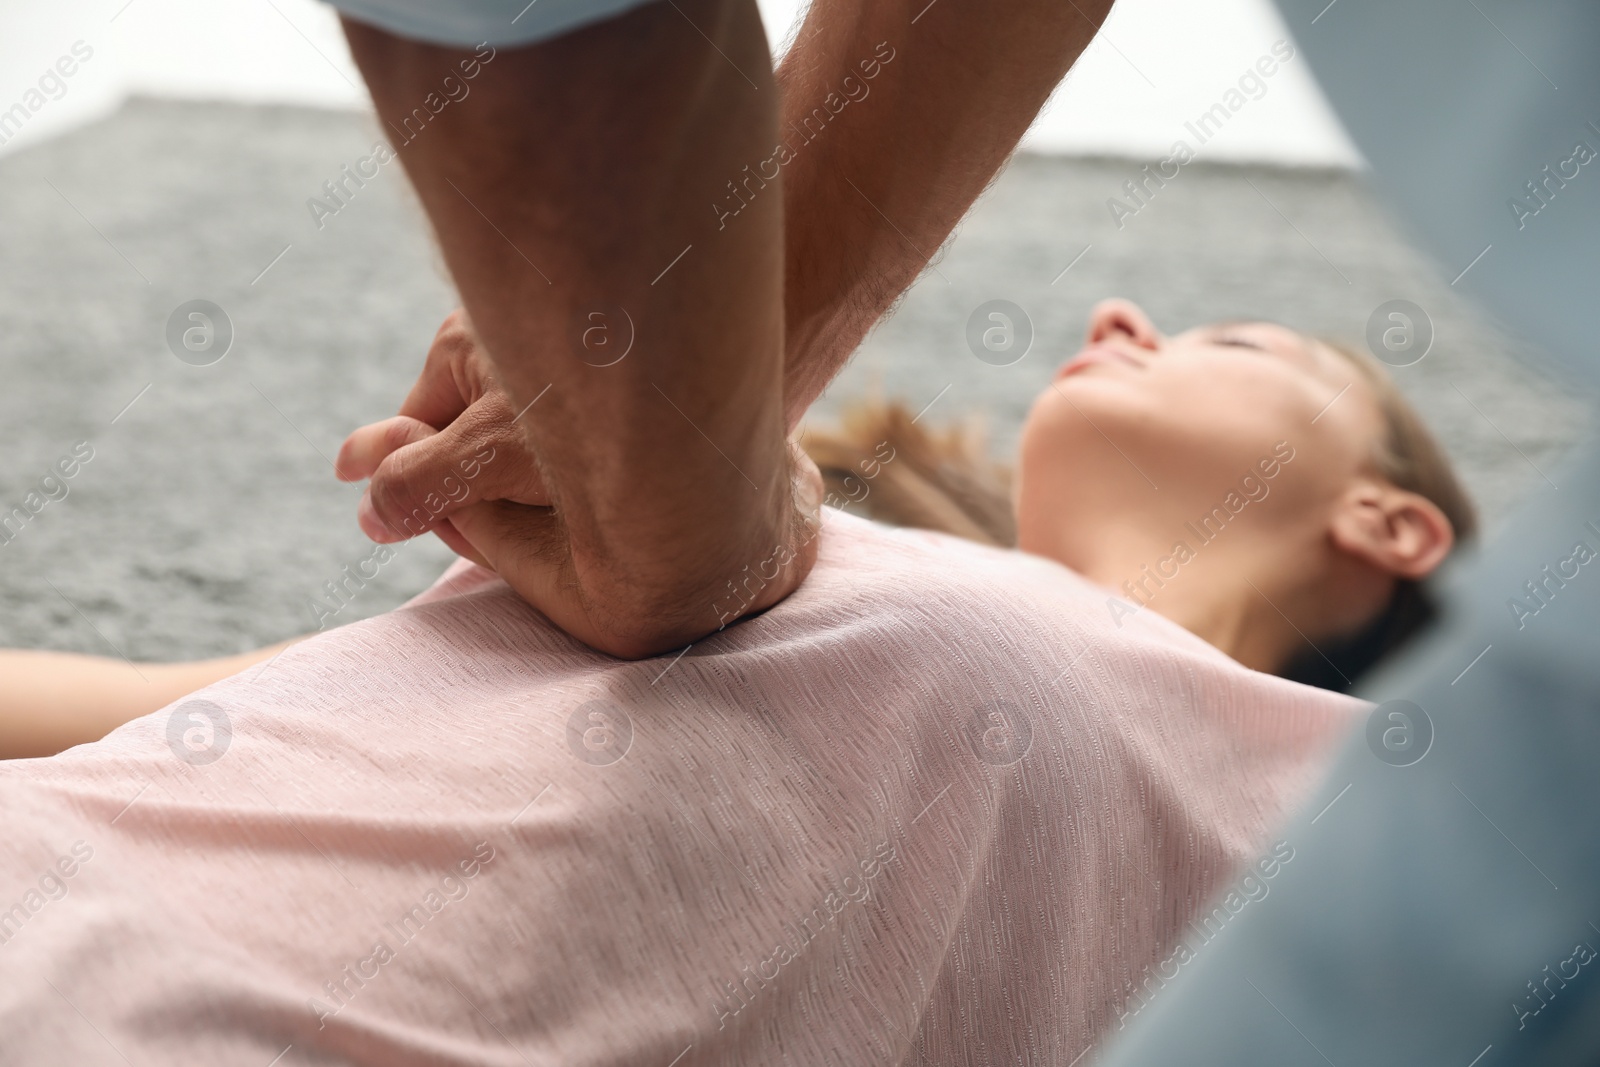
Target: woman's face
{"points": [[1139, 429]]}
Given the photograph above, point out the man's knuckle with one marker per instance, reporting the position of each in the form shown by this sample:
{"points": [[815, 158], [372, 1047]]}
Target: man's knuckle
{"points": [[394, 495], [396, 435]]}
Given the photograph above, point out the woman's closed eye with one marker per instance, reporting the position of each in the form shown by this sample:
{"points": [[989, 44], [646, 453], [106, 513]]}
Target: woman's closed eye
{"points": [[1291, 348]]}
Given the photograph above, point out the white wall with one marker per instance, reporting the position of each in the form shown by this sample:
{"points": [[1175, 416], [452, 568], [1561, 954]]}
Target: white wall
{"points": [[1156, 64], [1160, 63]]}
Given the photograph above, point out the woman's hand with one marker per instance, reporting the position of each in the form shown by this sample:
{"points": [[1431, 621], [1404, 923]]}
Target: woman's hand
{"points": [[455, 462]]}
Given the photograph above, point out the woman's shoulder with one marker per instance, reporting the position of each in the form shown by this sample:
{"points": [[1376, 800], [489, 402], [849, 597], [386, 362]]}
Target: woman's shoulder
{"points": [[855, 543], [1041, 608]]}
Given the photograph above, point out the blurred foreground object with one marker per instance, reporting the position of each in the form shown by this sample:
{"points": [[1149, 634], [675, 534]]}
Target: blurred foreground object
{"points": [[1444, 902]]}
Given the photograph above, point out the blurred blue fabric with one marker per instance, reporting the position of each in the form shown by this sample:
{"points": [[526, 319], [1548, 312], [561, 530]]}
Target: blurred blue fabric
{"points": [[467, 23], [1446, 909]]}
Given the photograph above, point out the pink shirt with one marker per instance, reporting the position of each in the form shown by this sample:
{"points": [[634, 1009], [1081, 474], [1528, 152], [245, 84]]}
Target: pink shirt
{"points": [[936, 807]]}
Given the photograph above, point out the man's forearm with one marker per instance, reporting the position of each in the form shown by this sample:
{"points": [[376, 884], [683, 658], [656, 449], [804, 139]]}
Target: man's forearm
{"points": [[563, 188], [896, 114]]}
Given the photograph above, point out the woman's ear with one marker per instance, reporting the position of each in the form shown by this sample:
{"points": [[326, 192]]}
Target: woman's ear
{"points": [[1399, 532]]}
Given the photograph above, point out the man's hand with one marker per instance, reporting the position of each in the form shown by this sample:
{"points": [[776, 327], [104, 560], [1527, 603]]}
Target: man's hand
{"points": [[455, 462], [454, 443]]}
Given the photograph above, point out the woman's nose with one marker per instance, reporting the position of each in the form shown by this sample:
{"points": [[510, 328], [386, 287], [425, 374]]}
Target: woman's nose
{"points": [[1123, 318]]}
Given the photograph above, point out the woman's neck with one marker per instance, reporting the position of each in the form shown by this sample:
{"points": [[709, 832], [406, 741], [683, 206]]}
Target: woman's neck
{"points": [[1249, 624], [1235, 597]]}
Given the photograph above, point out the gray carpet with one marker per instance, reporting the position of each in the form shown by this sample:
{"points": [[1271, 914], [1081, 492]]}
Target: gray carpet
{"points": [[209, 515]]}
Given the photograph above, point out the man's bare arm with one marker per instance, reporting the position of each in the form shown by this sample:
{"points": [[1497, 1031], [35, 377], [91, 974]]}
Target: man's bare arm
{"points": [[938, 96], [935, 98], [567, 183]]}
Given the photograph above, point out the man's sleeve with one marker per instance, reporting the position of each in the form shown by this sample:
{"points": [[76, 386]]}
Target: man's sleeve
{"points": [[467, 23]]}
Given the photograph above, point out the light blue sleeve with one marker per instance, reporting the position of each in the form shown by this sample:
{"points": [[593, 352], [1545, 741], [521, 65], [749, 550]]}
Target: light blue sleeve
{"points": [[1446, 909], [465, 23]]}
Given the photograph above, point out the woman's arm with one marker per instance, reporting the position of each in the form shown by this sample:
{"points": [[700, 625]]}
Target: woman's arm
{"points": [[50, 701]]}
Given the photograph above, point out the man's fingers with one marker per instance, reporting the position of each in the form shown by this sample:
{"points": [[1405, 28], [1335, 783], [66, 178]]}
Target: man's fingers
{"points": [[370, 445], [526, 546], [479, 456], [446, 531], [451, 377]]}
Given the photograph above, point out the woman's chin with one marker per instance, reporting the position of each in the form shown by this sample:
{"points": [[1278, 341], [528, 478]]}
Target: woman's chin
{"points": [[1085, 405]]}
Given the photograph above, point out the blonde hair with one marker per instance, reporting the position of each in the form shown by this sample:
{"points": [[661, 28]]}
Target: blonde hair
{"points": [[910, 475], [880, 462]]}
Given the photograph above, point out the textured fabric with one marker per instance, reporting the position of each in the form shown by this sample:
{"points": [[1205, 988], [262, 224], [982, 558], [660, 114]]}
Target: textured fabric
{"points": [[465, 23], [935, 807]]}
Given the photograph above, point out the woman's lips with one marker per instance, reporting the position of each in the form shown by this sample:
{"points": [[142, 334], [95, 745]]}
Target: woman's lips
{"points": [[1094, 354]]}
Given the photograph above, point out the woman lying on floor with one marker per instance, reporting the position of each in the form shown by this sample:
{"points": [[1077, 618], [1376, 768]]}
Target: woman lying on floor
{"points": [[945, 803]]}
